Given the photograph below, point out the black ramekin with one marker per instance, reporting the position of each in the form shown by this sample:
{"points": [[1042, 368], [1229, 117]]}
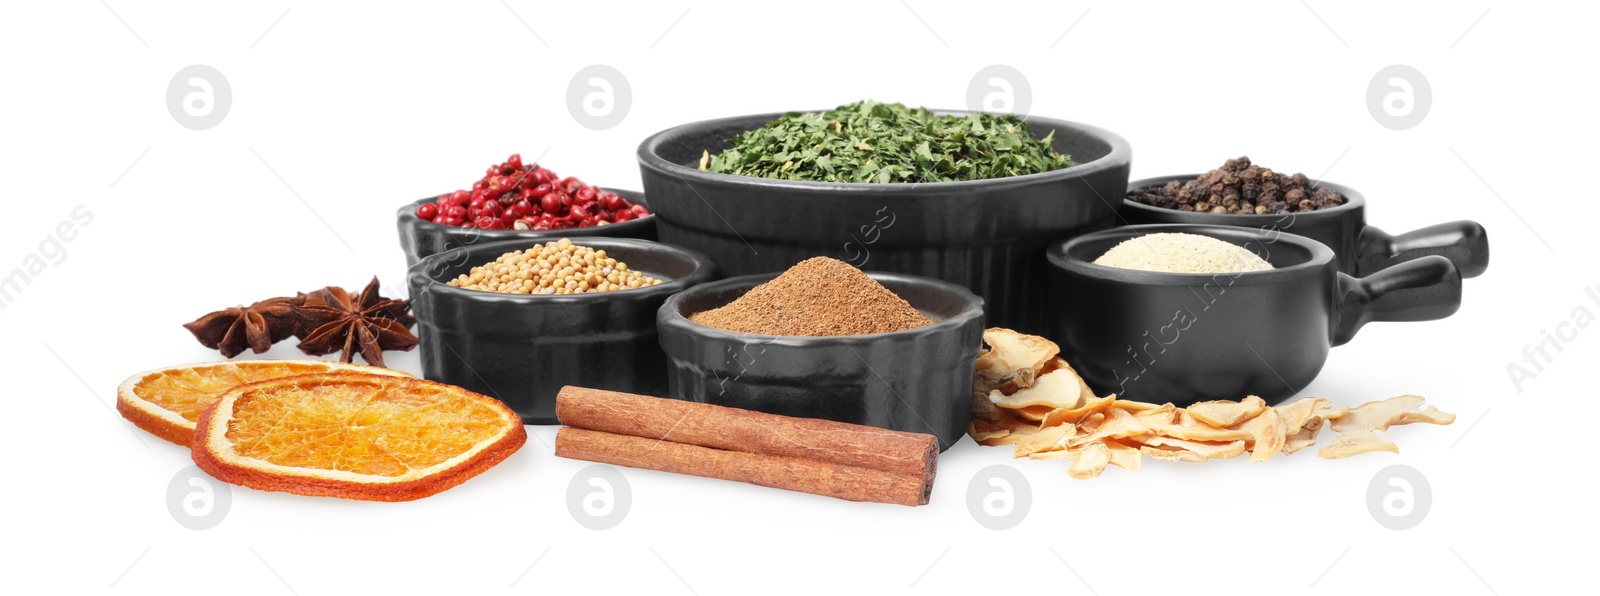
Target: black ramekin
{"points": [[420, 238], [1359, 249], [987, 235], [1182, 337], [917, 380], [521, 349]]}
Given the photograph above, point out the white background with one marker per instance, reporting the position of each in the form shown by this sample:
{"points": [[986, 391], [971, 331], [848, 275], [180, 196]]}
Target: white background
{"points": [[360, 108]]}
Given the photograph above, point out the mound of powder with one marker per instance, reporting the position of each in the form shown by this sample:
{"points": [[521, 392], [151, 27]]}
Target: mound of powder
{"points": [[1181, 253], [819, 297]]}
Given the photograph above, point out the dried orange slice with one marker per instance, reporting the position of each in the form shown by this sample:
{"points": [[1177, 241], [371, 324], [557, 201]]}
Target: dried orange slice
{"points": [[167, 402], [353, 435]]}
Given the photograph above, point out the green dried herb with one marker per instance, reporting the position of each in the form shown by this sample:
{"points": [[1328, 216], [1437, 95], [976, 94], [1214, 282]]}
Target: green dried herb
{"points": [[876, 142]]}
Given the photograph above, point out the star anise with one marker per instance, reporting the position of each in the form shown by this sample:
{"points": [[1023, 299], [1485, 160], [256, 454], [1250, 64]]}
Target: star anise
{"points": [[331, 320], [257, 326]]}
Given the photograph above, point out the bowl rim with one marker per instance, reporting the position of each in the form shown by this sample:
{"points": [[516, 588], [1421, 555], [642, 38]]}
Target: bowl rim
{"points": [[669, 314], [1354, 201], [702, 266], [649, 156], [1059, 256], [407, 215]]}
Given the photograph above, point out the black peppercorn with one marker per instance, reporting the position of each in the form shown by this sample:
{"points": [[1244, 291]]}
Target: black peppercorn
{"points": [[1240, 187]]}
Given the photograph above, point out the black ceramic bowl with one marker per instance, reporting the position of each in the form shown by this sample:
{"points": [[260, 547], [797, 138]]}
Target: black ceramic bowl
{"points": [[521, 349], [420, 238], [917, 380], [987, 235], [1183, 338], [1359, 249]]}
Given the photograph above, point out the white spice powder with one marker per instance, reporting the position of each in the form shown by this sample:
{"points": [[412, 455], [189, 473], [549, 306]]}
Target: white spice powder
{"points": [[1181, 253]]}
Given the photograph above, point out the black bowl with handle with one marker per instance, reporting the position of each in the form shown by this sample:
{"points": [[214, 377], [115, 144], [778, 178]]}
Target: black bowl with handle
{"points": [[1186, 337], [1358, 248], [987, 235]]}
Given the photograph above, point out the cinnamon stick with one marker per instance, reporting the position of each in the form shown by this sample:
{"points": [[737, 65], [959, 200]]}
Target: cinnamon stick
{"points": [[851, 483], [734, 429]]}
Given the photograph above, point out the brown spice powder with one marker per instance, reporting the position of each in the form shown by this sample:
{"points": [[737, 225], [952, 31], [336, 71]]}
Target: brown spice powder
{"points": [[819, 297]]}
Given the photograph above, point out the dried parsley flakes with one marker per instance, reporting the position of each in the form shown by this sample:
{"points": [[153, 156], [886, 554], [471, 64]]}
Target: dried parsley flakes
{"points": [[876, 142]]}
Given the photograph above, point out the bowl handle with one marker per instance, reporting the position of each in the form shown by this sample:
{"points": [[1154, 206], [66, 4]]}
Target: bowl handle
{"points": [[1423, 289], [1465, 243]]}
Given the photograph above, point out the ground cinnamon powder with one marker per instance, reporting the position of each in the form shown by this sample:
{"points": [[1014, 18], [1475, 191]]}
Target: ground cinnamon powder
{"points": [[818, 297]]}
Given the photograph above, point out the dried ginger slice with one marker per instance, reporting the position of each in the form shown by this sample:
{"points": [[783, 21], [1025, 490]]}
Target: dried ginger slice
{"points": [[1006, 430], [1324, 411], [1225, 414], [1060, 388], [1267, 435], [1187, 428], [1012, 360], [1297, 414], [1139, 406], [1380, 415], [1164, 414], [1051, 438], [1376, 415], [1356, 443], [1303, 422], [1123, 456], [1090, 423], [1080, 413], [1183, 455], [1205, 449], [1303, 438], [1328, 411], [1010, 438], [1431, 415], [1033, 414], [1091, 460], [1118, 424]]}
